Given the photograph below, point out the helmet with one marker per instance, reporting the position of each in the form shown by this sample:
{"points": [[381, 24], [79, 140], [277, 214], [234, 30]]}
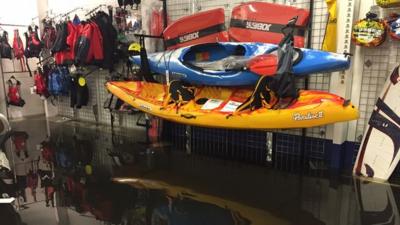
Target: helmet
{"points": [[134, 47]]}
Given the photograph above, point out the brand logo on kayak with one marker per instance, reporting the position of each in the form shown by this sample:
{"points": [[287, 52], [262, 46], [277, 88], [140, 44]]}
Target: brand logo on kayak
{"points": [[258, 26], [189, 37], [308, 116], [145, 107]]}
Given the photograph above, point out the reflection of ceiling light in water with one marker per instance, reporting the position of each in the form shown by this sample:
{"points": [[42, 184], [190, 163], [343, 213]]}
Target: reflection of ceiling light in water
{"points": [[126, 179]]}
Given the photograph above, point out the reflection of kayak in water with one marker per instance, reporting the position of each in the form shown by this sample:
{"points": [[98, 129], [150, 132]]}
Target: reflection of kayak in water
{"points": [[187, 211]]}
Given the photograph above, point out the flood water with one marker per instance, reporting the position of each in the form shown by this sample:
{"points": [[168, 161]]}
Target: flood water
{"points": [[72, 173]]}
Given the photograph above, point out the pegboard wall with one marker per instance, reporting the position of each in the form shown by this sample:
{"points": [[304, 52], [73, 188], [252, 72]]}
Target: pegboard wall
{"points": [[94, 111], [377, 64], [180, 8]]}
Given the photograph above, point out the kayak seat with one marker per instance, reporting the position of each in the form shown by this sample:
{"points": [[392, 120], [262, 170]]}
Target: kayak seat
{"points": [[228, 63], [235, 62], [179, 94], [262, 96]]}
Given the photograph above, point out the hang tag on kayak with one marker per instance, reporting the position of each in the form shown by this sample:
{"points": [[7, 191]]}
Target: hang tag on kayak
{"points": [[231, 106], [211, 104], [82, 81]]}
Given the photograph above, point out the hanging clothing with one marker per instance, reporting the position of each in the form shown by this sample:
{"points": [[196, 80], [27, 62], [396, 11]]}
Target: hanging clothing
{"points": [[14, 93], [18, 48], [66, 54], [5, 48], [156, 22], [109, 34], [41, 83], [33, 44], [329, 43], [60, 43], [79, 92], [89, 44], [49, 35]]}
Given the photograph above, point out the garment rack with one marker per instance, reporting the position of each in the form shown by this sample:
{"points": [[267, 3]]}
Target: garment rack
{"points": [[93, 10], [12, 25]]}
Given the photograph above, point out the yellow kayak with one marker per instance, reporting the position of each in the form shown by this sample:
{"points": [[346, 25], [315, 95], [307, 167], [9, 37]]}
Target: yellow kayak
{"points": [[312, 108]]}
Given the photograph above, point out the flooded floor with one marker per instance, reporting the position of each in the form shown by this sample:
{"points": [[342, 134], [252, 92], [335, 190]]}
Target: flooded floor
{"points": [[74, 173]]}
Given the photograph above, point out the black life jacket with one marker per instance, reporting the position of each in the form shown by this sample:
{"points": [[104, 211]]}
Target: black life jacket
{"points": [[33, 44], [49, 35], [5, 48]]}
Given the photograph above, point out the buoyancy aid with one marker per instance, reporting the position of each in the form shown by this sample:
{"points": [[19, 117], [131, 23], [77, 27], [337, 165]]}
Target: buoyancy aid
{"points": [[66, 56], [5, 48], [59, 81], [13, 95], [40, 84], [33, 44], [49, 35], [79, 92], [18, 46], [47, 151]]}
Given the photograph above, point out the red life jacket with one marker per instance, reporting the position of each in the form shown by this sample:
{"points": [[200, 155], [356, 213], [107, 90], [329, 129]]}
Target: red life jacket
{"points": [[66, 57], [41, 84], [13, 95], [47, 152], [18, 46], [89, 44], [19, 139]]}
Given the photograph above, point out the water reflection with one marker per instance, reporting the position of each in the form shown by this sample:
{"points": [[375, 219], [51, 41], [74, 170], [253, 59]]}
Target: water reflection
{"points": [[90, 176]]}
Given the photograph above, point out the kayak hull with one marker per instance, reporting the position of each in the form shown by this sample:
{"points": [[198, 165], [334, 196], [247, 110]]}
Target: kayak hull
{"points": [[176, 61], [313, 108]]}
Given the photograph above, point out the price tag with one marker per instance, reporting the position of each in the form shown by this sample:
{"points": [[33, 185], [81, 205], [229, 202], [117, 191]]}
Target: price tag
{"points": [[231, 106], [211, 104]]}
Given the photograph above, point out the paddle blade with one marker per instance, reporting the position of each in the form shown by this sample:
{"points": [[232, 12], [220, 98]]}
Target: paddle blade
{"points": [[264, 65]]}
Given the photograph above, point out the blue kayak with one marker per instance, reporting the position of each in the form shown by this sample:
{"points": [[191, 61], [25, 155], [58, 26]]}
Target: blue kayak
{"points": [[224, 64]]}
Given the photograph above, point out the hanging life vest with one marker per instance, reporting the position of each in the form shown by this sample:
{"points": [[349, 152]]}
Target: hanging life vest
{"points": [[13, 95], [40, 84], [18, 46], [49, 35], [59, 82], [33, 44], [19, 139], [5, 48], [48, 152]]}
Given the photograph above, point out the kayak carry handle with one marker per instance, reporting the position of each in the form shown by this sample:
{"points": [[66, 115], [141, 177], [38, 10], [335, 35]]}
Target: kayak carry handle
{"points": [[188, 116]]}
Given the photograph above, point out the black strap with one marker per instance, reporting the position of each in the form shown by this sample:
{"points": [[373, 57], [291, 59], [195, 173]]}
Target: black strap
{"points": [[261, 93], [381, 105], [179, 92], [395, 76], [195, 35], [264, 27]]}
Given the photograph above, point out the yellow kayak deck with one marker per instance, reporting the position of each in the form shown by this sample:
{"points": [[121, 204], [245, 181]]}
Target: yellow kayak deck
{"points": [[312, 108]]}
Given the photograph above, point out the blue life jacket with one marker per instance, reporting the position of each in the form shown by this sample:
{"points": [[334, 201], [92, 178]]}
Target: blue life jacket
{"points": [[59, 81]]}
